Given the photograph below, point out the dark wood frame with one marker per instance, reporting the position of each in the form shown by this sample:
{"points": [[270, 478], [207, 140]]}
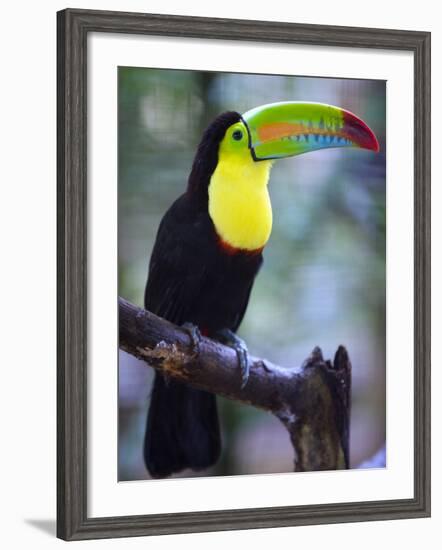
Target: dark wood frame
{"points": [[73, 28]]}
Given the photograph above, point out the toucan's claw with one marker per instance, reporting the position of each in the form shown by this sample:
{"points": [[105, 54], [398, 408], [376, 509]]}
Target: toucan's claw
{"points": [[243, 358], [229, 338], [195, 336]]}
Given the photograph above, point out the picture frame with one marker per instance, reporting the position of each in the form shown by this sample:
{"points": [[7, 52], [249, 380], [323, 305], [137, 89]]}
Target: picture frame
{"points": [[73, 28]]}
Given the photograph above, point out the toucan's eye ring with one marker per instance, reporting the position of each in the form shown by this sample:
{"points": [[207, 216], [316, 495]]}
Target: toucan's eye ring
{"points": [[237, 135]]}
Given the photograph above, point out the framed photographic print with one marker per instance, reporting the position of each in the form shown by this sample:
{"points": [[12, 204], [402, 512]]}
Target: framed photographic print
{"points": [[243, 274]]}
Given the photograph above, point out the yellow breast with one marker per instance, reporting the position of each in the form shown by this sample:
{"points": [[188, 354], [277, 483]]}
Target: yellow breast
{"points": [[239, 202]]}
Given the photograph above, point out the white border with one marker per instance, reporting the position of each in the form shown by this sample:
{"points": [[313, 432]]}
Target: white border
{"points": [[106, 496]]}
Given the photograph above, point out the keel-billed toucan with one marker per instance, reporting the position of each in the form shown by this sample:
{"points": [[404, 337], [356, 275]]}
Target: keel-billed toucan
{"points": [[208, 251]]}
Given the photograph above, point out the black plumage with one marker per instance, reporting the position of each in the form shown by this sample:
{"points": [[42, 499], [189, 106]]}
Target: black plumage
{"points": [[194, 279]]}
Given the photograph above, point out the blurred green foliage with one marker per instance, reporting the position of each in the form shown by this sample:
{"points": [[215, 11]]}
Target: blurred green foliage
{"points": [[323, 279]]}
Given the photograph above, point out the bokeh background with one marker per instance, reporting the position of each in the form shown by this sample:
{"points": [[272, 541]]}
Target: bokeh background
{"points": [[323, 279]]}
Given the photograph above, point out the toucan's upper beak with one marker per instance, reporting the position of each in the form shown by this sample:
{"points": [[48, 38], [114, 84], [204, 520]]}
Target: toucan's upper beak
{"points": [[279, 130]]}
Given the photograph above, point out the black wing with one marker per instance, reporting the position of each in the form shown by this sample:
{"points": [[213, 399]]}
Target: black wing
{"points": [[175, 271]]}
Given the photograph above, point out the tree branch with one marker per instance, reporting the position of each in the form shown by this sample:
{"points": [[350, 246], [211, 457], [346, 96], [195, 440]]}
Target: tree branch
{"points": [[312, 401]]}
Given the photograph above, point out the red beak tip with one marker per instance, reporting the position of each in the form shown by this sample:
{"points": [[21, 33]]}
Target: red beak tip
{"points": [[374, 145], [358, 130]]}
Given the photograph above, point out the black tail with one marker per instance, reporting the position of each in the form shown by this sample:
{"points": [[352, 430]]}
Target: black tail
{"points": [[182, 429]]}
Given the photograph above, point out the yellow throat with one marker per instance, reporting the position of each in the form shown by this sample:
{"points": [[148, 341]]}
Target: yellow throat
{"points": [[239, 202]]}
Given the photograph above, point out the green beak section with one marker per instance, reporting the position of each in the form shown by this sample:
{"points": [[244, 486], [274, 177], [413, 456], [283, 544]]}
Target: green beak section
{"points": [[279, 130]]}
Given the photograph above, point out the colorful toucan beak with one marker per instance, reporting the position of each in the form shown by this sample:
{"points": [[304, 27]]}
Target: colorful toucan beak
{"points": [[279, 130]]}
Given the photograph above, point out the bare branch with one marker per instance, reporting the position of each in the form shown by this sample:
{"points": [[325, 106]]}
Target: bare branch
{"points": [[312, 401]]}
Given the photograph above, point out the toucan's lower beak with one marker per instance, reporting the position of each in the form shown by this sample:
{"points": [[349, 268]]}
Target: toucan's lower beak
{"points": [[286, 129]]}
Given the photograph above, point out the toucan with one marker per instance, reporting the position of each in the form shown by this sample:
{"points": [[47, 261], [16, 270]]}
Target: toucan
{"points": [[208, 251]]}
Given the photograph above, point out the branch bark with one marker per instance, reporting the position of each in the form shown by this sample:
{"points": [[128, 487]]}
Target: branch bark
{"points": [[312, 401]]}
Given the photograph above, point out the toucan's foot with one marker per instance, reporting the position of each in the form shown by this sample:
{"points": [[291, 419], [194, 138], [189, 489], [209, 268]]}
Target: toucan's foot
{"points": [[195, 336], [228, 337]]}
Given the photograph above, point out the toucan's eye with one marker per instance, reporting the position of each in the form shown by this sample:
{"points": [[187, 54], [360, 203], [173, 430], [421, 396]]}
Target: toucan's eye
{"points": [[237, 135]]}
